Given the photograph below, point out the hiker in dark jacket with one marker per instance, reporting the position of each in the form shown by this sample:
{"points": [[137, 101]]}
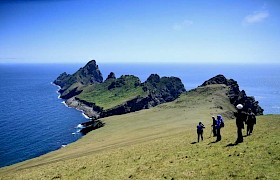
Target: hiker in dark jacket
{"points": [[251, 121], [214, 127], [240, 119], [200, 128], [218, 127]]}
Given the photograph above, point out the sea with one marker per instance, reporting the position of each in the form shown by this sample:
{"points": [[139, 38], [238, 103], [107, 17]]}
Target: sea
{"points": [[35, 121]]}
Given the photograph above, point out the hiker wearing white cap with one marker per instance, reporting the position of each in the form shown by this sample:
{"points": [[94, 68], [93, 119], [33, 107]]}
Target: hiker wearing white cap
{"points": [[240, 119]]}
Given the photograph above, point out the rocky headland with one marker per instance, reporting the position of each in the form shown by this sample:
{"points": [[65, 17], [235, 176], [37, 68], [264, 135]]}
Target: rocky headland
{"points": [[235, 95], [85, 90]]}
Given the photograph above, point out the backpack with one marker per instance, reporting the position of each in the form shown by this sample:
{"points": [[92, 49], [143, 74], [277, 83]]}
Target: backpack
{"points": [[251, 118], [222, 124]]}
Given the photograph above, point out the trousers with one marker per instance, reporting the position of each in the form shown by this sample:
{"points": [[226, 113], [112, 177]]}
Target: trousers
{"points": [[239, 135]]}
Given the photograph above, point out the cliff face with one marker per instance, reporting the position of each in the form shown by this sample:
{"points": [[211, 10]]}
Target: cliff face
{"points": [[235, 95], [157, 91], [163, 89]]}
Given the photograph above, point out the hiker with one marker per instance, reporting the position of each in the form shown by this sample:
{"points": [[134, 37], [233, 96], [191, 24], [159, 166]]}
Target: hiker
{"points": [[251, 121], [240, 119], [214, 126], [200, 128], [219, 125]]}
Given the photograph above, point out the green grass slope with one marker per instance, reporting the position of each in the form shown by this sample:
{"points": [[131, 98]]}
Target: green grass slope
{"points": [[158, 144], [104, 95]]}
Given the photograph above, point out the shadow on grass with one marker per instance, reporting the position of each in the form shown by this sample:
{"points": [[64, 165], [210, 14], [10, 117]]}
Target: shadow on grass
{"points": [[194, 142], [232, 144], [213, 142]]}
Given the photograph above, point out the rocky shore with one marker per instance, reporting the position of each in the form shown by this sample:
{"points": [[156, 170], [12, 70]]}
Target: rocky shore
{"points": [[81, 106]]}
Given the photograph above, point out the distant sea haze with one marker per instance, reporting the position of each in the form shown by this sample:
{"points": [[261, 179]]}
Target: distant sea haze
{"points": [[34, 121]]}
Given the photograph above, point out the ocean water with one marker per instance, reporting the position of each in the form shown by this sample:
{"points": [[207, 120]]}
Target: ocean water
{"points": [[34, 121]]}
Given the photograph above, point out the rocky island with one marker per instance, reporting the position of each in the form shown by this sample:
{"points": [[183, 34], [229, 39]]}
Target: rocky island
{"points": [[85, 90]]}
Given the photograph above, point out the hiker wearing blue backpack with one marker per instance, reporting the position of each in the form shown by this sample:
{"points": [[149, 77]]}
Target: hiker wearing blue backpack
{"points": [[200, 128], [219, 125]]}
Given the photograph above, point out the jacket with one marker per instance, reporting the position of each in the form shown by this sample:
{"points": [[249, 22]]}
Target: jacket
{"points": [[241, 117]]}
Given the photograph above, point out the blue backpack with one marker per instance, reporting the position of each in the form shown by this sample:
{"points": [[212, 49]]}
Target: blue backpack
{"points": [[222, 124]]}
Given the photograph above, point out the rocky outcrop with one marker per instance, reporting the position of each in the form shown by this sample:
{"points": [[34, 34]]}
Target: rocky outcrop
{"points": [[70, 84], [235, 95], [91, 125], [163, 89], [111, 76]]}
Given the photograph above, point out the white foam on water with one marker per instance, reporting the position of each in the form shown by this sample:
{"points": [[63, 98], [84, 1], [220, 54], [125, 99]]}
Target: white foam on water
{"points": [[85, 115], [63, 102], [80, 126], [57, 91], [63, 145]]}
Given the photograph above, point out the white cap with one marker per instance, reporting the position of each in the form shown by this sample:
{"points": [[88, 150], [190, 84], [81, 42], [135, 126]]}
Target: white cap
{"points": [[239, 106]]}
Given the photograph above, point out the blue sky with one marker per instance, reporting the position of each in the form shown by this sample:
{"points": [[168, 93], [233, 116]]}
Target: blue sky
{"points": [[120, 31]]}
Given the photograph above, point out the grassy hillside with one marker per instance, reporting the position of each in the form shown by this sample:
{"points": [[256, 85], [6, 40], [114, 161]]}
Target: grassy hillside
{"points": [[159, 143]]}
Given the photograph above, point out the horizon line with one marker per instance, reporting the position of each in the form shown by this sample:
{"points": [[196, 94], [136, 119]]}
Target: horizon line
{"points": [[157, 63]]}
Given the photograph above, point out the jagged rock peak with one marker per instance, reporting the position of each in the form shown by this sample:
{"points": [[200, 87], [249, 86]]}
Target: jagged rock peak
{"points": [[93, 62], [111, 76], [90, 73], [219, 79], [153, 78], [71, 83]]}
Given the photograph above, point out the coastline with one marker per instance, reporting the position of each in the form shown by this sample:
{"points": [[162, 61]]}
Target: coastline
{"points": [[86, 110], [57, 91]]}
